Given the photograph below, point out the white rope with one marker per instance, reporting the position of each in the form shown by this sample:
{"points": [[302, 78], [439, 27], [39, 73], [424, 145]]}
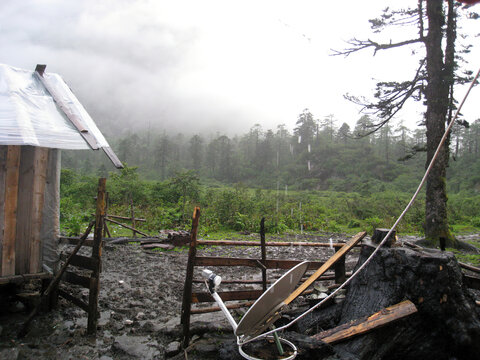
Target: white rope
{"points": [[442, 142]]}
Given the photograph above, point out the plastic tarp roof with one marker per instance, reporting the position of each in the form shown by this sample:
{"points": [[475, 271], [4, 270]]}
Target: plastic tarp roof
{"points": [[30, 116]]}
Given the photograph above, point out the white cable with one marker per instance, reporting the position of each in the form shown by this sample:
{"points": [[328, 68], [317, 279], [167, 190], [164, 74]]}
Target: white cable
{"points": [[442, 141]]}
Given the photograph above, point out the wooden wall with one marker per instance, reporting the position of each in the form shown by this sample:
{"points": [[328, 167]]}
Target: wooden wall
{"points": [[23, 171]]}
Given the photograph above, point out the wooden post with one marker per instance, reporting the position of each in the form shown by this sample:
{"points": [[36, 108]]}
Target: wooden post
{"points": [[264, 253], [10, 209], [105, 230], [187, 290], [134, 234], [96, 254], [340, 269]]}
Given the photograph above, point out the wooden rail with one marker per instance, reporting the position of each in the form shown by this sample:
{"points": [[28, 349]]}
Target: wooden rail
{"points": [[262, 263]]}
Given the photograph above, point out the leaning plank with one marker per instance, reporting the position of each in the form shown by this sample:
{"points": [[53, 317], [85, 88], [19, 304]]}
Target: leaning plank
{"points": [[364, 325], [10, 210], [269, 263], [327, 265]]}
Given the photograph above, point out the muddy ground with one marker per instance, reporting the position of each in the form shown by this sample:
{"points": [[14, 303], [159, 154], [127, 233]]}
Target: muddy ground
{"points": [[140, 305]]}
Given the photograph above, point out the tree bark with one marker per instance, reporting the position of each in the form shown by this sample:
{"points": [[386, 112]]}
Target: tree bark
{"points": [[437, 97]]}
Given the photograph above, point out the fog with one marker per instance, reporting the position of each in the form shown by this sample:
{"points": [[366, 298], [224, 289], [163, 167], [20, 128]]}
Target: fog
{"points": [[204, 66]]}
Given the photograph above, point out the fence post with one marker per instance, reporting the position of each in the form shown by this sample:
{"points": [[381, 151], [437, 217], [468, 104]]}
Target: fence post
{"points": [[187, 289], [264, 253], [96, 254]]}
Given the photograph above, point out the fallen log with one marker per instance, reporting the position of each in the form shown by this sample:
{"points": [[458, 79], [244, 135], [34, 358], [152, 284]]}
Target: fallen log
{"points": [[366, 324]]}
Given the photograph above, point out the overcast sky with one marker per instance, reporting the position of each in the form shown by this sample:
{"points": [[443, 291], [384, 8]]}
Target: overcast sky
{"points": [[206, 66]]}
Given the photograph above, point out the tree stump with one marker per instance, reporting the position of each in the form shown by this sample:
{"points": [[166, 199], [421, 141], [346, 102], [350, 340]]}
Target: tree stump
{"points": [[379, 235], [447, 324]]}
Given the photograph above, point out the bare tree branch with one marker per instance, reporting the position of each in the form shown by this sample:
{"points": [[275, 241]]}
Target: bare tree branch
{"points": [[358, 45]]}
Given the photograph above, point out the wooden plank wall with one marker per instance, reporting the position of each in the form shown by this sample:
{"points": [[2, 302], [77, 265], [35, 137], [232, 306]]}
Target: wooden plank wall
{"points": [[22, 186]]}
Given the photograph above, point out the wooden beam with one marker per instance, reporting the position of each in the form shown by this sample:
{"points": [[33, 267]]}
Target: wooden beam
{"points": [[10, 209], [364, 325], [38, 196], [82, 305], [200, 297], [250, 262], [75, 279], [19, 279], [471, 281], [84, 262], [470, 267], [268, 243], [327, 265], [73, 240], [204, 310]]}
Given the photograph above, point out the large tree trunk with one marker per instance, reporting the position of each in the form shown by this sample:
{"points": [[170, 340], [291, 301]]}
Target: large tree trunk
{"points": [[437, 95]]}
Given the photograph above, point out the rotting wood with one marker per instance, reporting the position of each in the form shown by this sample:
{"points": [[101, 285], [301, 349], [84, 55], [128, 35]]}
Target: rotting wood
{"points": [[54, 282], [329, 263], [268, 243], [364, 325], [10, 210], [150, 246], [250, 262], [126, 226], [187, 291]]}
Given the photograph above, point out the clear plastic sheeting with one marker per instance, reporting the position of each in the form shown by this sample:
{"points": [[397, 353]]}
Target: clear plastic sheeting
{"points": [[30, 116]]}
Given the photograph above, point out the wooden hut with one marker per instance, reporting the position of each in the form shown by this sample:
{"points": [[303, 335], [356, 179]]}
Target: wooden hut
{"points": [[39, 116]]}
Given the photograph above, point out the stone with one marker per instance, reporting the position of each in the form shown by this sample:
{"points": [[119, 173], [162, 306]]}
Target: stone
{"points": [[136, 346], [173, 348], [9, 354]]}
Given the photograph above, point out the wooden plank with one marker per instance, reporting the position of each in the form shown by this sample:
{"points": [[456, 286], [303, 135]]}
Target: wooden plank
{"points": [[38, 197], [364, 325], [268, 243], [3, 173], [73, 240], [19, 279], [199, 297], [10, 210], [328, 264], [67, 296], [250, 262], [75, 279], [187, 288], [84, 262], [24, 210], [204, 310]]}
